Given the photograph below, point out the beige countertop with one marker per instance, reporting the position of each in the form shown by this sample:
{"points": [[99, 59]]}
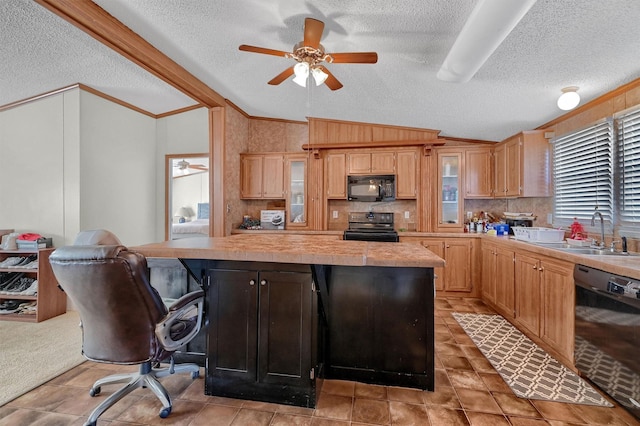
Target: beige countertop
{"points": [[628, 266], [295, 248]]}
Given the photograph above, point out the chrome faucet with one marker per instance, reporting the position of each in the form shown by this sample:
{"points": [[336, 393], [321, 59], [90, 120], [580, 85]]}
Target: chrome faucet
{"points": [[593, 223]]}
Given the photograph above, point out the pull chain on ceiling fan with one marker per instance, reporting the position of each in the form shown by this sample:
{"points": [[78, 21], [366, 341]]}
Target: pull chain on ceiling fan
{"points": [[309, 55]]}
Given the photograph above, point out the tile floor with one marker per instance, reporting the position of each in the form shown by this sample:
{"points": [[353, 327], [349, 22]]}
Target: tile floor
{"points": [[468, 392]]}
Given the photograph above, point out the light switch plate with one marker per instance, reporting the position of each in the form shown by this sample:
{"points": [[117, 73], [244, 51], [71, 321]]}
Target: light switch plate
{"points": [[406, 215], [335, 214]]}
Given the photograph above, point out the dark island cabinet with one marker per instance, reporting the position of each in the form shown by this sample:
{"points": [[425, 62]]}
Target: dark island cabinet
{"points": [[263, 332], [381, 327]]}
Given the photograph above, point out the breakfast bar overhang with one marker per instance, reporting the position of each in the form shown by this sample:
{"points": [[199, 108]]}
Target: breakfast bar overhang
{"points": [[286, 311]]}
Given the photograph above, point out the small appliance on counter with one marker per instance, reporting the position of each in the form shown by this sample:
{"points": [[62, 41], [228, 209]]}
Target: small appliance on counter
{"points": [[518, 219], [272, 219], [370, 226]]}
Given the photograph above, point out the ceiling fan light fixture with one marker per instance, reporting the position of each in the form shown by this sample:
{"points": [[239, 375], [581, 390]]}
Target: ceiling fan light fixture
{"points": [[301, 71], [569, 98], [319, 76], [488, 25]]}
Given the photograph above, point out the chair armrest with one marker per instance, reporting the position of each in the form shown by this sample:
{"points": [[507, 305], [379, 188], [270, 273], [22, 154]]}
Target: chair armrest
{"points": [[185, 300], [187, 312]]}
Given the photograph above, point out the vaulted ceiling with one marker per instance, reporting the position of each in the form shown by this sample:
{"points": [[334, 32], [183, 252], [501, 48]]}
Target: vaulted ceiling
{"points": [[592, 44]]}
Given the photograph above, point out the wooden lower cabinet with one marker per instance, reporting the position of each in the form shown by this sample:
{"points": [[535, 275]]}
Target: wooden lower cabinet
{"points": [[545, 296], [505, 281], [456, 275], [488, 252], [529, 292], [263, 328], [558, 307], [498, 278]]}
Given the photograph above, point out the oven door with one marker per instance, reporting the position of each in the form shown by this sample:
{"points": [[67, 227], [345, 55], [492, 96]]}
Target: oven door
{"points": [[607, 340], [381, 236]]}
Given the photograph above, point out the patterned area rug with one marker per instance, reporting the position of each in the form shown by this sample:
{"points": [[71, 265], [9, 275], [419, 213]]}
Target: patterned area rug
{"points": [[528, 370]]}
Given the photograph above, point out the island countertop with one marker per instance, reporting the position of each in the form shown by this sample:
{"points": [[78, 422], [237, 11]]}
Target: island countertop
{"points": [[302, 249]]}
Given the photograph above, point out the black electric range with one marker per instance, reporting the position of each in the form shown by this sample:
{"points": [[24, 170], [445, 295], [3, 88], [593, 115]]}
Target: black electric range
{"points": [[370, 226]]}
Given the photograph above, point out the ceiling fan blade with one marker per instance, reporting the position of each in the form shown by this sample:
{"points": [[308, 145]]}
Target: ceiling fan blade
{"points": [[313, 32], [331, 81], [254, 49], [282, 76], [199, 167], [355, 58]]}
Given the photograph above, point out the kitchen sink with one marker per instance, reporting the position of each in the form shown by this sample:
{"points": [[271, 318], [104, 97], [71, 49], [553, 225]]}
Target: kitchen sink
{"points": [[585, 250]]}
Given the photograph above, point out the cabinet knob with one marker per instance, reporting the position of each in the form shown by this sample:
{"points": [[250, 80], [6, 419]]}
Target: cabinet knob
{"points": [[252, 282], [263, 282], [535, 266], [541, 269]]}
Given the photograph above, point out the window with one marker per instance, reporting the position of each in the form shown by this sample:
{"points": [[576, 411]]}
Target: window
{"points": [[583, 174], [628, 165]]}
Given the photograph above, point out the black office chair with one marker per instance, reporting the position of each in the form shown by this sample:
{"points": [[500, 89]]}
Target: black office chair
{"points": [[123, 318]]}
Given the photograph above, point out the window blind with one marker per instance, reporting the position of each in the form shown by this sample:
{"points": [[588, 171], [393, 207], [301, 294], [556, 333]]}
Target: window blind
{"points": [[583, 173], [628, 167]]}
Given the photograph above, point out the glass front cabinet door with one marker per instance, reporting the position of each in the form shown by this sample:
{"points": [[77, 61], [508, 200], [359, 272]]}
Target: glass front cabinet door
{"points": [[296, 171], [448, 195]]}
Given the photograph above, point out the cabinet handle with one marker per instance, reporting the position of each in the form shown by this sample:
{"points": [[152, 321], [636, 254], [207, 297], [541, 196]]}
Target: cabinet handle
{"points": [[263, 282], [252, 282]]}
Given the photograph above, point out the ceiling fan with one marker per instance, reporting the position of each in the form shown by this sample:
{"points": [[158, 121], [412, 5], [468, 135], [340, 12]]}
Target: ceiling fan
{"points": [[309, 55], [182, 168]]}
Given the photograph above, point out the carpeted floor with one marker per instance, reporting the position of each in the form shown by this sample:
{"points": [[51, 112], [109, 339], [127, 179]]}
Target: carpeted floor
{"points": [[528, 370], [33, 353]]}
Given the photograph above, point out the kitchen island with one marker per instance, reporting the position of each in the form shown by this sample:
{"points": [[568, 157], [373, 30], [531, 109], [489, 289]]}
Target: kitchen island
{"points": [[286, 311]]}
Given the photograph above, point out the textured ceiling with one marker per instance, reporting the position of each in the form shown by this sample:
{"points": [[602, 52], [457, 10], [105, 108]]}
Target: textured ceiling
{"points": [[592, 44]]}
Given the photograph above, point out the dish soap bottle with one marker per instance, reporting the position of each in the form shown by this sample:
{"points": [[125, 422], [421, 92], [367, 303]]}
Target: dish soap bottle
{"points": [[577, 231]]}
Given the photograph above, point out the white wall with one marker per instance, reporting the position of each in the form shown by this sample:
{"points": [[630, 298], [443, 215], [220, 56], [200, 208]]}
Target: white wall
{"points": [[31, 167], [75, 161], [186, 133], [117, 170]]}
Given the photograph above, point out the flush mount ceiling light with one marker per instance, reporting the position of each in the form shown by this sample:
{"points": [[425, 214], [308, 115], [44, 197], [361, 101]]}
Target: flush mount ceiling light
{"points": [[489, 24], [569, 98]]}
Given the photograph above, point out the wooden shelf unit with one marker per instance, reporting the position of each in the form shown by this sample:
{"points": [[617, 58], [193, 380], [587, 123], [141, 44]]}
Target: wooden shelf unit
{"points": [[51, 300]]}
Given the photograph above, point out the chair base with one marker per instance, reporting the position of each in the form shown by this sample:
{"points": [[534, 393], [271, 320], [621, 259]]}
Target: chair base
{"points": [[147, 377]]}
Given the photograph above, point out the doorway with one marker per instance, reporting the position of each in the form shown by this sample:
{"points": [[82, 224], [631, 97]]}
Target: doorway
{"points": [[186, 196]]}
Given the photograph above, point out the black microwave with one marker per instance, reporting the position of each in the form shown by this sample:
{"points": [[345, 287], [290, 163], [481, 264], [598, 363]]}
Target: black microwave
{"points": [[371, 188]]}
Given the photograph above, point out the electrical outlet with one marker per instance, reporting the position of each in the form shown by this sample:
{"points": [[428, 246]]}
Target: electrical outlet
{"points": [[335, 214], [406, 215]]}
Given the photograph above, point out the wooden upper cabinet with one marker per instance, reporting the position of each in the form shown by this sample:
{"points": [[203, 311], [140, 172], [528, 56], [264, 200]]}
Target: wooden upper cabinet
{"points": [[513, 167], [273, 176], [523, 166], [383, 162], [478, 173], [372, 162], [336, 175], [360, 163], [500, 171], [262, 176], [251, 177], [407, 174]]}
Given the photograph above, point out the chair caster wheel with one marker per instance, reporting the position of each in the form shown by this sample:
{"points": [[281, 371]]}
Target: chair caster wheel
{"points": [[165, 412], [94, 391], [195, 374]]}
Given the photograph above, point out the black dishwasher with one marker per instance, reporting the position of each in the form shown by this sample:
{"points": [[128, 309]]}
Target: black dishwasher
{"points": [[607, 338]]}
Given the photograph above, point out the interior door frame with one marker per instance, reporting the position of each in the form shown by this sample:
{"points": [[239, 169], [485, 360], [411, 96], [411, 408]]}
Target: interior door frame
{"points": [[168, 175]]}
